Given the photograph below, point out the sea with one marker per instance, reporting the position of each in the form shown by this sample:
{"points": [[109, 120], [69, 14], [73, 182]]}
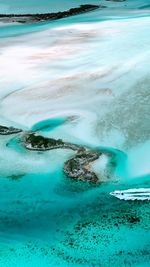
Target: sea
{"points": [[84, 79]]}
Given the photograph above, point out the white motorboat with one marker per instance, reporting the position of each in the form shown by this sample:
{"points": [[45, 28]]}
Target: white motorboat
{"points": [[132, 194]]}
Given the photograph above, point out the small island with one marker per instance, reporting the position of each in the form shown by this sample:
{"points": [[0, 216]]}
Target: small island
{"points": [[4, 130], [34, 141], [34, 18], [78, 167]]}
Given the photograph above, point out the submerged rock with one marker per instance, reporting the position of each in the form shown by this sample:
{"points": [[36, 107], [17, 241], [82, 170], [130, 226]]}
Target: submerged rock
{"points": [[4, 130], [79, 167], [33, 18]]}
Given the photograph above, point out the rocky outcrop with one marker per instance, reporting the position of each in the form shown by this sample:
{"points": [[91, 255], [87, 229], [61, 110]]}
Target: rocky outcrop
{"points": [[34, 18], [78, 167], [9, 130]]}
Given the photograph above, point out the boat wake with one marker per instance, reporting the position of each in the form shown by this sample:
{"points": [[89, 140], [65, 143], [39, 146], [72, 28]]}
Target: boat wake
{"points": [[132, 194]]}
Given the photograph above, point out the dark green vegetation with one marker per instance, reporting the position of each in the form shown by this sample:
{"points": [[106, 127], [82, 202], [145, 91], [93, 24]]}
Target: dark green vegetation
{"points": [[37, 142]]}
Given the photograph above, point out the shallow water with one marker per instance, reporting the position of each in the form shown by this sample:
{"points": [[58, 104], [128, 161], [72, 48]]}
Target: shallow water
{"points": [[84, 79], [32, 6]]}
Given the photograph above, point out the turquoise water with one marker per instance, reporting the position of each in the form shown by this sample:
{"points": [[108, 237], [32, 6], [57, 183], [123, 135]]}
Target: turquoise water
{"points": [[48, 125], [84, 79]]}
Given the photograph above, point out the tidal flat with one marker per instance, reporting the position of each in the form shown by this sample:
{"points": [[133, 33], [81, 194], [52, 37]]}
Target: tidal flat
{"points": [[82, 82]]}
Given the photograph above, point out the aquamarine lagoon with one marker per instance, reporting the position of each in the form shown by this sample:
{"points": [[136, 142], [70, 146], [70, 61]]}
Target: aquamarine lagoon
{"points": [[75, 133]]}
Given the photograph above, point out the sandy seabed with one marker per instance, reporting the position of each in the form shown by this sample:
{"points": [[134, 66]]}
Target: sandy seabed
{"points": [[92, 71]]}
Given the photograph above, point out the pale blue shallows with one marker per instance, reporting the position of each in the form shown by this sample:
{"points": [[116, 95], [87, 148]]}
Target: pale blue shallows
{"points": [[84, 79]]}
